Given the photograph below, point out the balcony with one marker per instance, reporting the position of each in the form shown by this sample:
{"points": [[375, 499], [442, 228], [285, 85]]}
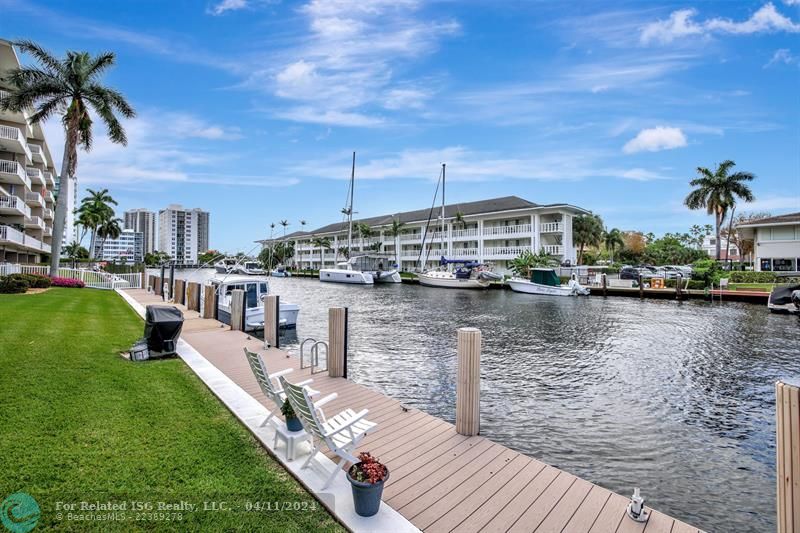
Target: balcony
{"points": [[504, 231], [12, 140], [34, 199], [9, 235], [12, 172], [35, 175], [13, 206], [50, 181], [465, 234], [551, 227], [461, 253], [48, 231], [48, 196], [37, 154], [47, 214], [411, 237], [34, 222], [503, 252], [553, 249]]}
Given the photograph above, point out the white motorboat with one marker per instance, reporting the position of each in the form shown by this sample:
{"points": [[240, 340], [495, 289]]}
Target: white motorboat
{"points": [[345, 273], [467, 275], [546, 281], [378, 265], [226, 265], [280, 272], [255, 289], [250, 268], [784, 299]]}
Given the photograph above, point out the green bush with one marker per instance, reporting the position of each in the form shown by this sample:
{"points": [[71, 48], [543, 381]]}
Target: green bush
{"points": [[34, 281], [696, 284], [752, 277], [12, 285]]}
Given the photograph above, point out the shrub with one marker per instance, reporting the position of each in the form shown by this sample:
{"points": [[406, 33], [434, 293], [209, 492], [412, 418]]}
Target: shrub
{"points": [[286, 409], [752, 277], [696, 284], [35, 281], [13, 285], [67, 282]]}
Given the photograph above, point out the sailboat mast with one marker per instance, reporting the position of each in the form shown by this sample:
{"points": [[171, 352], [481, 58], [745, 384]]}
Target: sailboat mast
{"points": [[350, 208], [443, 182]]}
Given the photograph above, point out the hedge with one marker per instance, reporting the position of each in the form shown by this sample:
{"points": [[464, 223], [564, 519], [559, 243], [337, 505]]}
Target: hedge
{"points": [[12, 285], [738, 276], [34, 281]]}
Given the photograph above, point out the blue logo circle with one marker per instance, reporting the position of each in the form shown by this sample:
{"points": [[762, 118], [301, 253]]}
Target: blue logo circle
{"points": [[19, 513]]}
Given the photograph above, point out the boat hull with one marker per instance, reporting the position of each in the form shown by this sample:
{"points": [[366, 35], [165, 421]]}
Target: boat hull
{"points": [[445, 280], [255, 317], [279, 274], [352, 277], [528, 287], [391, 276], [221, 269]]}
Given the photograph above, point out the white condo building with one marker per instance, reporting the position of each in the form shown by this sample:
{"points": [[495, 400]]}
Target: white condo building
{"points": [[183, 233], [27, 180], [495, 230], [776, 242], [127, 248], [143, 221]]}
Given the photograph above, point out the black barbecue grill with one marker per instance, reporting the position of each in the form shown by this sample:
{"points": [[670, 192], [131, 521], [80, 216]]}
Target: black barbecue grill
{"points": [[162, 328]]}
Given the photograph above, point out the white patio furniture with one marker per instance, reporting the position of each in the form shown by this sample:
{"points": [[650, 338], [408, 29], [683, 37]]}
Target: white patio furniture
{"points": [[341, 433], [290, 438]]}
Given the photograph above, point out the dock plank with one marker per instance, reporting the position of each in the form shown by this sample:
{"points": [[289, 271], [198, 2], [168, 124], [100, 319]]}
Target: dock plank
{"points": [[588, 511]]}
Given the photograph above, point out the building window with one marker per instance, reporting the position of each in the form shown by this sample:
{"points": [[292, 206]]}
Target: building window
{"points": [[766, 265], [783, 265]]}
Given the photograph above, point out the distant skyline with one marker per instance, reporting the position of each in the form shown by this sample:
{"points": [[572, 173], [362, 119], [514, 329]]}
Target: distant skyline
{"points": [[250, 109]]}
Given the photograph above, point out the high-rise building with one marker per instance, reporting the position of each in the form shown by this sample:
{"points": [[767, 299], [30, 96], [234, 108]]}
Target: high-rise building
{"points": [[70, 227], [27, 180], [183, 233], [143, 221], [127, 248]]}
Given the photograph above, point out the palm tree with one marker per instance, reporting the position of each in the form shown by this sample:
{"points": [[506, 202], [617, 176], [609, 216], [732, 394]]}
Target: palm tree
{"points": [[717, 192], [527, 261], [586, 230], [459, 220], [87, 218], [323, 243], [96, 209], [303, 225], [110, 228], [72, 251], [395, 231], [612, 239], [284, 223], [70, 87], [364, 232]]}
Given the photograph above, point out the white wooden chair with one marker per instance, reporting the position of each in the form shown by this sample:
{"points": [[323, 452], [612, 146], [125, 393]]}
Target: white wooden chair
{"points": [[341, 433], [268, 382]]}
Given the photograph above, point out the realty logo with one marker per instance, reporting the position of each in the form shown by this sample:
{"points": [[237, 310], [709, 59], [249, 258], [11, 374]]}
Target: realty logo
{"points": [[19, 513]]}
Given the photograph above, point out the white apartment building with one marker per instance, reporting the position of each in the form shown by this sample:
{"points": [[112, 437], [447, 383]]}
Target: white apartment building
{"points": [[495, 230], [27, 180], [183, 233], [127, 248], [709, 246], [143, 221], [776, 242]]}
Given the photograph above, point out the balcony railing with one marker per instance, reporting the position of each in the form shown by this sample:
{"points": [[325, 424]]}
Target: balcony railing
{"points": [[34, 222], [35, 175], [34, 199], [410, 237], [14, 205], [459, 253], [508, 252], [37, 153], [551, 227], [507, 230], [47, 214], [554, 249], [48, 196], [49, 179], [13, 172], [19, 144], [13, 235], [464, 234]]}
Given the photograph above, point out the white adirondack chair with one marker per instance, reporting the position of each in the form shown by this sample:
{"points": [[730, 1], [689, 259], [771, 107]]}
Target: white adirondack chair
{"points": [[272, 389], [341, 433]]}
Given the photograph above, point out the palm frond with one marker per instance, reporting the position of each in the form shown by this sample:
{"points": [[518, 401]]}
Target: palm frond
{"points": [[112, 98], [41, 55], [99, 63], [46, 110]]}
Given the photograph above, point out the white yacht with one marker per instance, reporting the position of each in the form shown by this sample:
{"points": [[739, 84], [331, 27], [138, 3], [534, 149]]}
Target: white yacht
{"points": [[280, 272], [249, 268], [226, 265], [344, 271], [255, 289], [378, 265], [546, 281]]}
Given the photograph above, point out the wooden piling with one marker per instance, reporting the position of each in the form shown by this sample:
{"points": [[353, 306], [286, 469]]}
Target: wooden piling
{"points": [[209, 301], [193, 296], [468, 384], [158, 287], [237, 309], [641, 287], [604, 278], [151, 283], [679, 287], [180, 291], [272, 317], [142, 282], [337, 341], [787, 410]]}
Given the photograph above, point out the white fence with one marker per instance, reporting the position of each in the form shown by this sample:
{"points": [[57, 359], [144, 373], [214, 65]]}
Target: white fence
{"points": [[91, 278]]}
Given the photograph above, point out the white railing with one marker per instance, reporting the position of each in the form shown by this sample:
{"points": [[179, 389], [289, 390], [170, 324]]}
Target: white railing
{"points": [[410, 237], [34, 198], [49, 179], [507, 230], [12, 202], [553, 249], [35, 175], [48, 196], [464, 233], [15, 236], [14, 134], [551, 227], [12, 167], [47, 214], [504, 251], [38, 152], [91, 278], [458, 253], [34, 222]]}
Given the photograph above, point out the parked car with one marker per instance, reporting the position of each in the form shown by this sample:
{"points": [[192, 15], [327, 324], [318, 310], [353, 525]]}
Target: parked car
{"points": [[629, 272]]}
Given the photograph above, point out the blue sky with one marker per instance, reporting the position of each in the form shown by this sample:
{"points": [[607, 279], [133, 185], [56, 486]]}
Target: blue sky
{"points": [[251, 108]]}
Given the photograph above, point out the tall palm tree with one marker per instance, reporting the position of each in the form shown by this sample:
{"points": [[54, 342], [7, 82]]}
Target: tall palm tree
{"points": [[459, 220], [364, 232], [586, 230], [323, 243], [88, 219], [110, 228], [303, 225], [285, 224], [72, 250], [70, 87], [395, 230], [96, 208], [717, 192], [612, 239]]}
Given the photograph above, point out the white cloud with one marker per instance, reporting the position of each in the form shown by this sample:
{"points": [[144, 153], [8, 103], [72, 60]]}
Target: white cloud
{"points": [[641, 174], [782, 56], [792, 2], [656, 139], [405, 99], [681, 24], [227, 5], [329, 117]]}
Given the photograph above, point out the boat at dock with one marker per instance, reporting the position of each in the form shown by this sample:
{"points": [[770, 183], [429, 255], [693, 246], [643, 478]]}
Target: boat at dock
{"points": [[379, 266], [249, 268], [280, 272], [255, 290], [545, 281], [785, 299], [466, 275], [226, 265]]}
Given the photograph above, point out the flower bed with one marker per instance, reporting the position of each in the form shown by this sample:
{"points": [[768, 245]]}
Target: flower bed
{"points": [[67, 282]]}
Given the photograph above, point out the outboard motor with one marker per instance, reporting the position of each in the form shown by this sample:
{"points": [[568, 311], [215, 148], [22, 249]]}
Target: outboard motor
{"points": [[796, 298]]}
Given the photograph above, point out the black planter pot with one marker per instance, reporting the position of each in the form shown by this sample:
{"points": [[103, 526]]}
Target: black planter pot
{"points": [[367, 496], [293, 424]]}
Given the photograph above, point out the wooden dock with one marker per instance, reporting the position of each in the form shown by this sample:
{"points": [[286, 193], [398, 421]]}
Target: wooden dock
{"points": [[439, 480]]}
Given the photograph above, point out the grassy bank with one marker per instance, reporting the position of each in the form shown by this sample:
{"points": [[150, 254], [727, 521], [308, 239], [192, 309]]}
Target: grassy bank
{"points": [[79, 423]]}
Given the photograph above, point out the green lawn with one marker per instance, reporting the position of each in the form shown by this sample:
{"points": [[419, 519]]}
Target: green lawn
{"points": [[80, 423]]}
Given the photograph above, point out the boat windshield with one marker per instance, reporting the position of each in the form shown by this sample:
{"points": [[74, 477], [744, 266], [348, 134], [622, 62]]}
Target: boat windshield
{"points": [[263, 289], [250, 296], [545, 277]]}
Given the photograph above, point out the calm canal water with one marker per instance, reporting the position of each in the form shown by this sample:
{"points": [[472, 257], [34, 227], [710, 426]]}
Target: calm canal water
{"points": [[674, 397]]}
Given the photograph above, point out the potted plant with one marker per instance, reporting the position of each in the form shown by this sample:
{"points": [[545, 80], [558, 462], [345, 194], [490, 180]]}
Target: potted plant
{"points": [[292, 422], [367, 478]]}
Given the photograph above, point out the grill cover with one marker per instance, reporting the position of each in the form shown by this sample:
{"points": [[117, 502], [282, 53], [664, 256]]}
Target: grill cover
{"points": [[162, 327]]}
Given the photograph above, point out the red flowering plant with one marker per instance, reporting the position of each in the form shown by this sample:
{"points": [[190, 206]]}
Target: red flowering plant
{"points": [[368, 469], [67, 282]]}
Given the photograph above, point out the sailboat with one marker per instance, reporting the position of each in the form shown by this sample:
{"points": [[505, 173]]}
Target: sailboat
{"points": [[467, 274], [344, 271]]}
